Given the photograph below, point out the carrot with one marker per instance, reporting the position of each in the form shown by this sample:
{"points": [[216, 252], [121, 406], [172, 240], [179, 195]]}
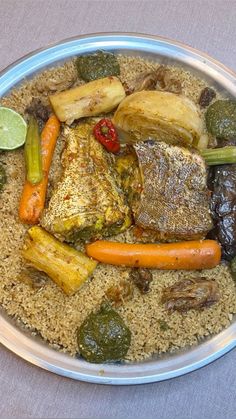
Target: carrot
{"points": [[202, 254], [33, 196]]}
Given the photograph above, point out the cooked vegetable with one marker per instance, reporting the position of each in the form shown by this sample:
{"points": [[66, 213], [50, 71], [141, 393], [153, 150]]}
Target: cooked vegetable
{"points": [[104, 337], [233, 267], [206, 96], [33, 196], [33, 154], [203, 142], [223, 198], [87, 201], [182, 255], [3, 177], [141, 278], [217, 156], [98, 65], [91, 99], [38, 110], [221, 119], [105, 132], [67, 267], [192, 293], [162, 116]]}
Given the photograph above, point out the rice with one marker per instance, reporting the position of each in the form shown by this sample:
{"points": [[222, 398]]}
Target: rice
{"points": [[45, 310]]}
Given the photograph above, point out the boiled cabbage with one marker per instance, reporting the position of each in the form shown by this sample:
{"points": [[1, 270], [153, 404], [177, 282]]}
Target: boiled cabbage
{"points": [[162, 116]]}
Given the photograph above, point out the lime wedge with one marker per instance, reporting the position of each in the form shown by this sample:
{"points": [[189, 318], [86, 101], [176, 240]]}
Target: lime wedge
{"points": [[13, 129]]}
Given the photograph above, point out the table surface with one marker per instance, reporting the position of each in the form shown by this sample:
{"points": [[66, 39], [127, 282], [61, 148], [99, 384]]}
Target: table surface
{"points": [[26, 390]]}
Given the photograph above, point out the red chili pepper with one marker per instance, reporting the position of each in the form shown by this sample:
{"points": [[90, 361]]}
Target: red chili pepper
{"points": [[105, 132]]}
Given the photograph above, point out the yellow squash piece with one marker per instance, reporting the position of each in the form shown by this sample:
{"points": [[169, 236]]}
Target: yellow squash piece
{"points": [[67, 267], [91, 99], [162, 116]]}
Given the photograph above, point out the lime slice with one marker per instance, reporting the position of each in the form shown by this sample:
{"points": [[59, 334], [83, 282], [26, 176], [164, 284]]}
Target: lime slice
{"points": [[13, 129]]}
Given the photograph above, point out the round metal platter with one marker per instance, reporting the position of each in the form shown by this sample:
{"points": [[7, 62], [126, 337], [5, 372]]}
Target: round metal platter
{"points": [[33, 349]]}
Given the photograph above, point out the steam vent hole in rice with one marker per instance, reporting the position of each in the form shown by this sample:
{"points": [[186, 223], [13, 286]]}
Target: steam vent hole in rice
{"points": [[43, 308]]}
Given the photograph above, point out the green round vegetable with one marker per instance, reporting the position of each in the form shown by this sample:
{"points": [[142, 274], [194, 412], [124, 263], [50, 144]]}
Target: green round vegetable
{"points": [[3, 177], [98, 65], [104, 337], [221, 119]]}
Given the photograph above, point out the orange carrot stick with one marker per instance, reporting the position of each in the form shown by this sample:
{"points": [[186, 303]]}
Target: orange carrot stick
{"points": [[189, 255], [33, 196]]}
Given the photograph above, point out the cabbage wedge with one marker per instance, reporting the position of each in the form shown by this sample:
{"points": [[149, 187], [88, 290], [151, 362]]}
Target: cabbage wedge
{"points": [[162, 116]]}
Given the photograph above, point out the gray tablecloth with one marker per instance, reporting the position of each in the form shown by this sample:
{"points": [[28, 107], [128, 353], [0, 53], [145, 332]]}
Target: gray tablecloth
{"points": [[27, 391]]}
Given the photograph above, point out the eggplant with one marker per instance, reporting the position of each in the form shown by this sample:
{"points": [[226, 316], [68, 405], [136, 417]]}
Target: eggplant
{"points": [[222, 182]]}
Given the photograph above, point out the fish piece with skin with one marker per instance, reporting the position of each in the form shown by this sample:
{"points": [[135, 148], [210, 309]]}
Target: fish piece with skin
{"points": [[174, 200], [87, 202]]}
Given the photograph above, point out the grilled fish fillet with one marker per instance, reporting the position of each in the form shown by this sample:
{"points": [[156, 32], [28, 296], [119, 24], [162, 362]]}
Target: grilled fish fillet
{"points": [[87, 202], [174, 200]]}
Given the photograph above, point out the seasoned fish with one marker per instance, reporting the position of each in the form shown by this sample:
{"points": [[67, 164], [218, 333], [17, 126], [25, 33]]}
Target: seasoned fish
{"points": [[169, 196], [87, 202]]}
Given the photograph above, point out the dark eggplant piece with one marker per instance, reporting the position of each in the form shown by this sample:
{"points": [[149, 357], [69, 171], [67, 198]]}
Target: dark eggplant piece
{"points": [[222, 182]]}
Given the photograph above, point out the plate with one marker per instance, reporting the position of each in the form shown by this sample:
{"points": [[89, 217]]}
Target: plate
{"points": [[35, 350]]}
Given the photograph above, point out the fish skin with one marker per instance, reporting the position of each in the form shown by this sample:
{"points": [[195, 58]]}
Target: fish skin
{"points": [[174, 202]]}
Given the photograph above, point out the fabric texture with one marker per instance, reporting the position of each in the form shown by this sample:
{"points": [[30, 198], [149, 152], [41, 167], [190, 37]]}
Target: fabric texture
{"points": [[27, 391]]}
